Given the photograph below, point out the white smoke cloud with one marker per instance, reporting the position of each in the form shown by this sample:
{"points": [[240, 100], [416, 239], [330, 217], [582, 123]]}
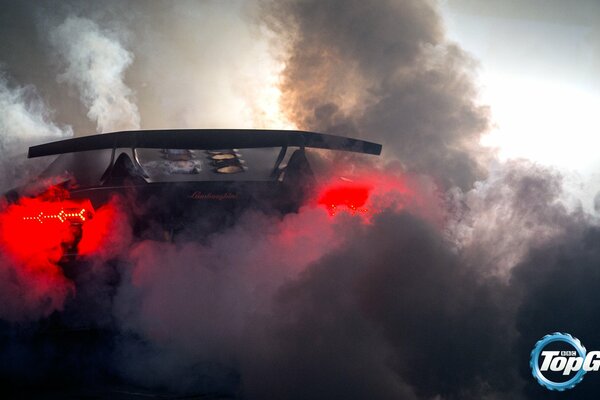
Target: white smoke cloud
{"points": [[24, 121], [95, 64], [519, 207]]}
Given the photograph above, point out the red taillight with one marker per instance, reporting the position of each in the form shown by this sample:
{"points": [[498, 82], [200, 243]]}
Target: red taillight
{"points": [[352, 196], [42, 227]]}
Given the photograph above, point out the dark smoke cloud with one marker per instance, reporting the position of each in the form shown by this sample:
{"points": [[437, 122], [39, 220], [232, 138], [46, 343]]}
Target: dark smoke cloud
{"points": [[392, 308], [558, 283], [310, 306], [383, 71], [400, 312], [390, 315]]}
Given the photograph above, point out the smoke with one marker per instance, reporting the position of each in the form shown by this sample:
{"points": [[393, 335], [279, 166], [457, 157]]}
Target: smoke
{"points": [[194, 302], [95, 63], [319, 306], [163, 59], [201, 64], [519, 207], [383, 305], [33, 284], [24, 120], [377, 319], [198, 303], [437, 288], [401, 311], [385, 72]]}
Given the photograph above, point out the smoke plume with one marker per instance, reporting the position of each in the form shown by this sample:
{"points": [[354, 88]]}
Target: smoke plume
{"points": [[24, 120], [95, 63], [385, 72], [519, 207]]}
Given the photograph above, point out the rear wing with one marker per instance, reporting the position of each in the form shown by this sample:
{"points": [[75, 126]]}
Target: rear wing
{"points": [[205, 139]]}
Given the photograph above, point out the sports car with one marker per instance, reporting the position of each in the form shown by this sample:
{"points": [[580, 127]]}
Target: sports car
{"points": [[169, 185], [177, 176]]}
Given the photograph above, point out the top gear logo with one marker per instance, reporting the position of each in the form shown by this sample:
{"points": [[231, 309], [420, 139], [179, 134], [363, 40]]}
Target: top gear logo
{"points": [[560, 355]]}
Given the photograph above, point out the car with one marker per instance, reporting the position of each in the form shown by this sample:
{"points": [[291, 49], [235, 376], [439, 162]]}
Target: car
{"points": [[177, 176], [168, 185], [174, 177]]}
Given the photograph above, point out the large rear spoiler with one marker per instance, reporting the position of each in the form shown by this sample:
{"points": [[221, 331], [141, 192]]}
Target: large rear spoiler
{"points": [[208, 139]]}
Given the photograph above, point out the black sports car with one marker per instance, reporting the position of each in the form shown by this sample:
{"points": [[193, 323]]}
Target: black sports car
{"points": [[181, 184], [180, 175]]}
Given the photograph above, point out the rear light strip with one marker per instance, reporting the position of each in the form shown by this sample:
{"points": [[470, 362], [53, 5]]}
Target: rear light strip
{"points": [[69, 215]]}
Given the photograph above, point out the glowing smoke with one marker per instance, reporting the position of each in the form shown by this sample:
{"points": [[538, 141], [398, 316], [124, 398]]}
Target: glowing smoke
{"points": [[200, 304], [33, 284]]}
